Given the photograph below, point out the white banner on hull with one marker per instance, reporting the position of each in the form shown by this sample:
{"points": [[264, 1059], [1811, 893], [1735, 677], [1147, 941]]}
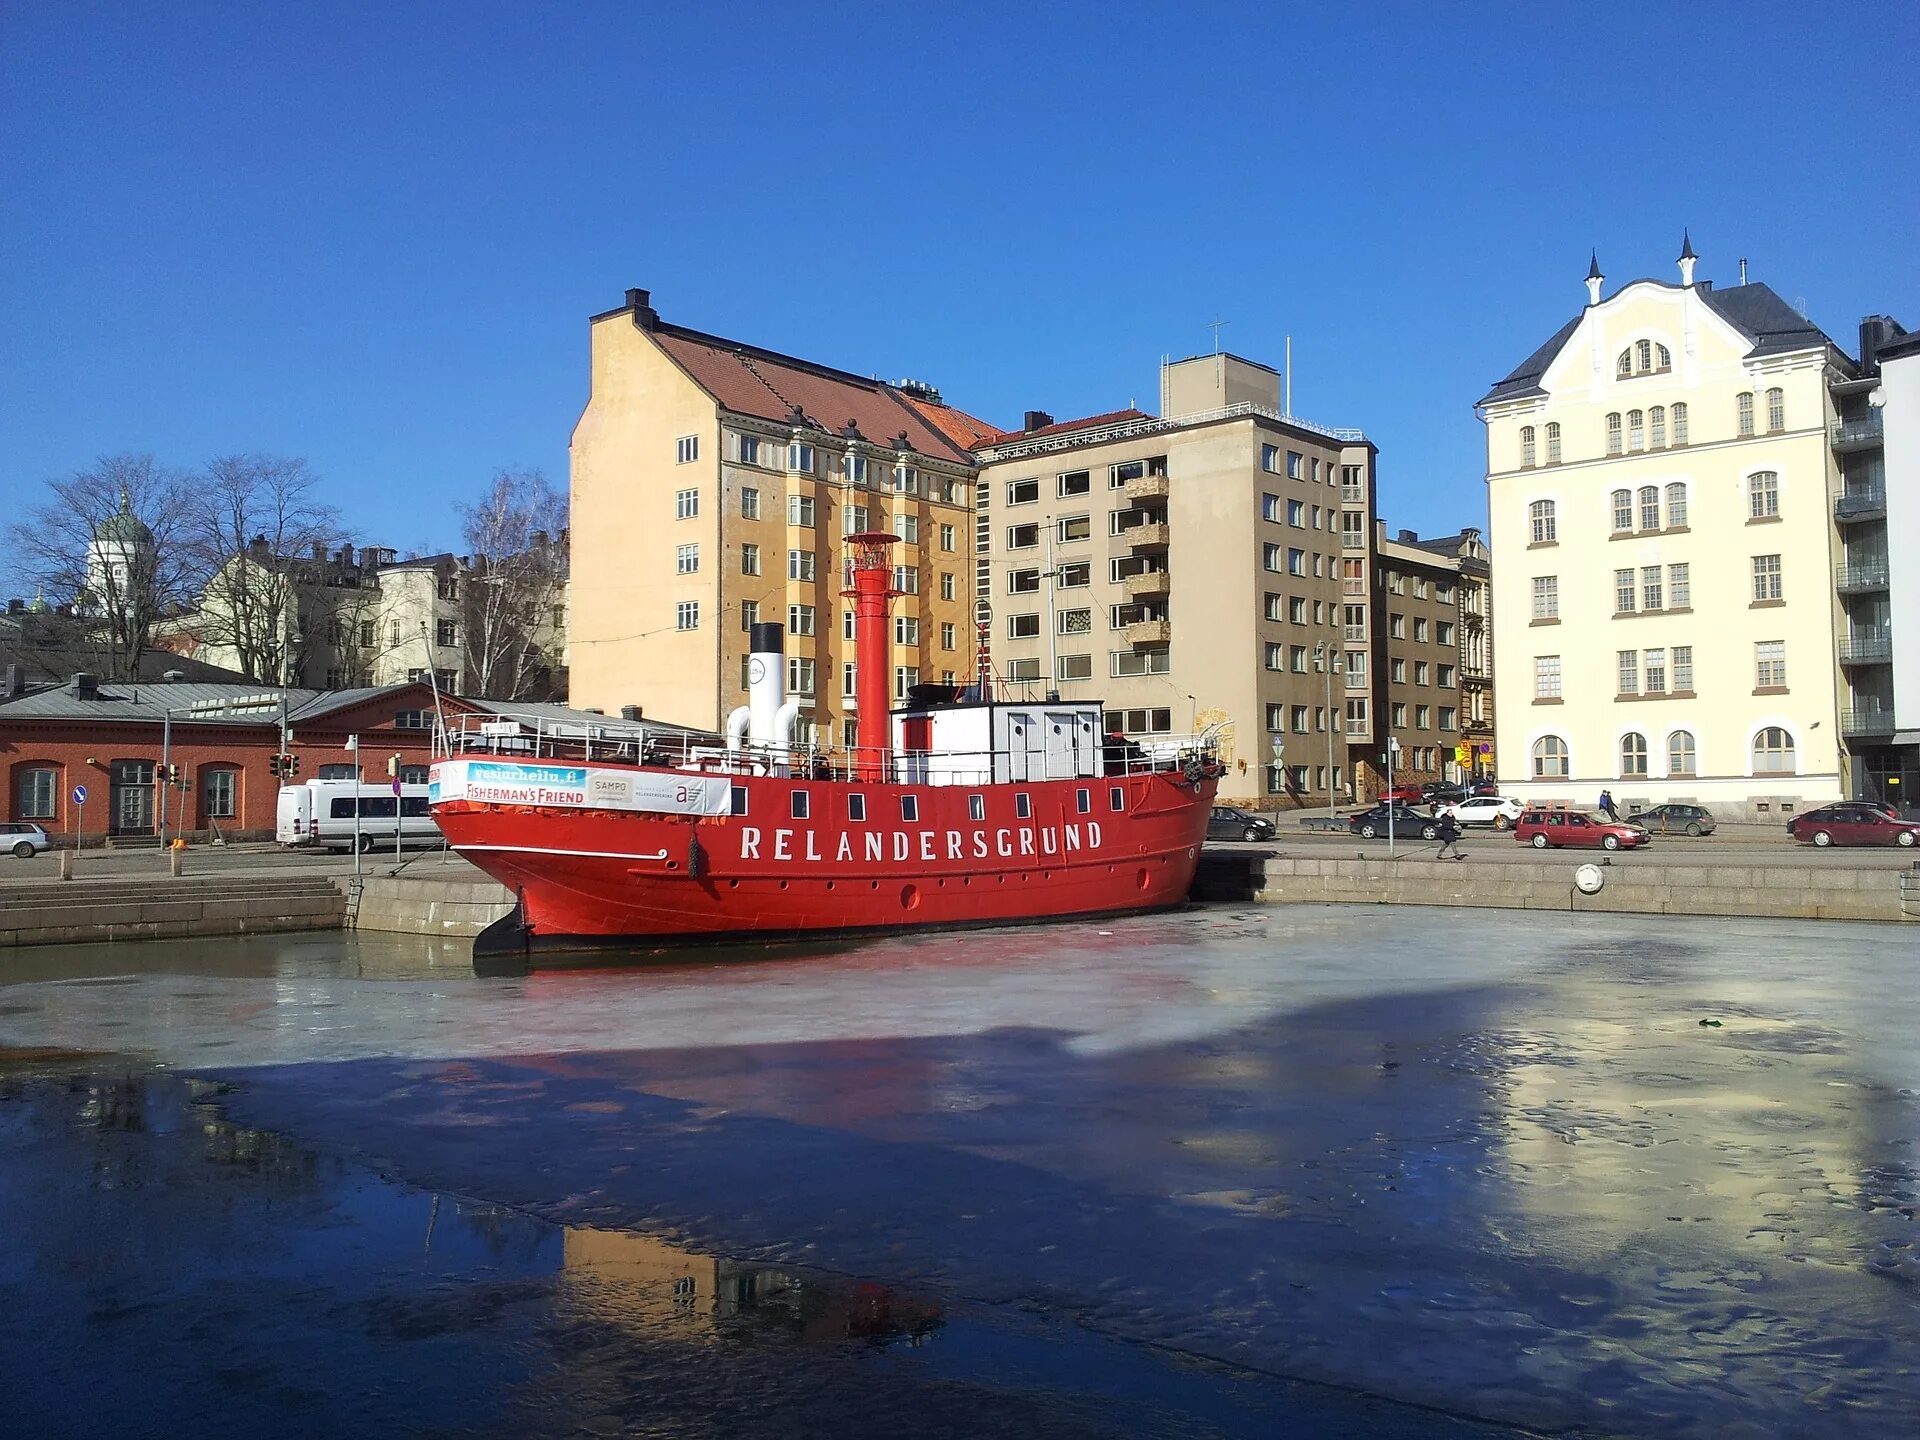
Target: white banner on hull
{"points": [[584, 787]]}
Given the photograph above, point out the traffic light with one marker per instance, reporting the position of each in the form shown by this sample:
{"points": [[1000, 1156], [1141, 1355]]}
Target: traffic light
{"points": [[273, 764], [393, 767], [292, 764]]}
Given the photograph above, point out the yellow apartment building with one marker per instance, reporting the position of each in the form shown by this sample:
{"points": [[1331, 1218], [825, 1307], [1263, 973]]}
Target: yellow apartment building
{"points": [[713, 485]]}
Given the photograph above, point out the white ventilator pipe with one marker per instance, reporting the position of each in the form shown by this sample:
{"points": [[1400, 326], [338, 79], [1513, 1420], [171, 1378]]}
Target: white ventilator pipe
{"points": [[737, 723]]}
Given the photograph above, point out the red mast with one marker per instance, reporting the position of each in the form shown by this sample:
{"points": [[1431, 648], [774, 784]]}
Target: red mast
{"points": [[871, 587]]}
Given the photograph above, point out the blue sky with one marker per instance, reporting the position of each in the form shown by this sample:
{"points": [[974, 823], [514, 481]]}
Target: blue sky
{"points": [[371, 234]]}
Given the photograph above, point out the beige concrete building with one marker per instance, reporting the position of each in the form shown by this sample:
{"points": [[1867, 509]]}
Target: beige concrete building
{"points": [[1662, 486], [1209, 563], [713, 484]]}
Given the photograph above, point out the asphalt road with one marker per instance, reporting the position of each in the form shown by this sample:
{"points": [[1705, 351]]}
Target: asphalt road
{"points": [[1743, 845]]}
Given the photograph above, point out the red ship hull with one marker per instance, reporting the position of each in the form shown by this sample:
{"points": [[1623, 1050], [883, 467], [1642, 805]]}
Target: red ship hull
{"points": [[900, 857]]}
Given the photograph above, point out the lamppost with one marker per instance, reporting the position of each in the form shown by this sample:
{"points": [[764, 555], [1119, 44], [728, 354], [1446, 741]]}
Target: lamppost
{"points": [[1393, 766], [1323, 663]]}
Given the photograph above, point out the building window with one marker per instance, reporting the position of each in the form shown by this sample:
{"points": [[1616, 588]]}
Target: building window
{"points": [[800, 676], [1622, 511], [800, 510], [1776, 409], [1140, 662], [946, 585], [749, 559], [909, 528], [1271, 558], [219, 793], [1743, 411], [1655, 677], [1763, 495], [39, 787], [1399, 715], [686, 559], [1074, 622], [1613, 433], [1683, 669], [1657, 426], [1074, 667], [1636, 430], [1681, 758], [1075, 482], [1296, 514], [906, 579], [853, 519], [1022, 582], [1650, 597], [686, 449], [1443, 632], [1633, 755], [1629, 661], [1773, 752], [905, 480], [1766, 577], [855, 467], [413, 719], [1420, 671], [1023, 492], [946, 540], [1420, 716], [1550, 758], [800, 565], [1676, 505], [1293, 464], [906, 630], [1680, 423], [948, 635], [1553, 442], [1270, 458], [1023, 537], [446, 633], [1526, 447], [800, 457], [1397, 671], [1649, 507], [1545, 528], [686, 504], [686, 615], [1624, 592], [1769, 663], [1297, 659], [1023, 627], [1546, 677], [1075, 576], [749, 449], [1276, 656], [800, 619], [905, 677]]}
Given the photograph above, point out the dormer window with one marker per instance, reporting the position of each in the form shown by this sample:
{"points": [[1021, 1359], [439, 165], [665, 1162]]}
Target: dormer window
{"points": [[1643, 357]]}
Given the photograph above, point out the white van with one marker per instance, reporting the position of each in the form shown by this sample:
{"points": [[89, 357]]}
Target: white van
{"points": [[320, 812]]}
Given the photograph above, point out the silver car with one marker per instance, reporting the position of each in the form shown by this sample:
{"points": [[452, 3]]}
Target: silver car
{"points": [[23, 838]]}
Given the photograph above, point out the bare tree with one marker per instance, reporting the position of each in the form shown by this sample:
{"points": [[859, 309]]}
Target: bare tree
{"points": [[261, 534], [111, 540], [511, 601]]}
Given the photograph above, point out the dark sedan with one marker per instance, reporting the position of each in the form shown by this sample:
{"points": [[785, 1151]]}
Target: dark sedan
{"points": [[1407, 822], [1227, 823], [1674, 820]]}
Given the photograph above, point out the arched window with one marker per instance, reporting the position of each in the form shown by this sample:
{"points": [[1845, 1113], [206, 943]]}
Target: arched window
{"points": [[1624, 367], [1550, 758], [1666, 358], [1545, 526], [1773, 752], [1763, 495], [1680, 423], [1680, 753], [1622, 510], [36, 792], [1649, 507], [1633, 755], [1613, 433], [1553, 442], [1644, 355], [1526, 446], [1743, 412], [1776, 409], [219, 793], [1657, 425], [1676, 505], [1636, 430]]}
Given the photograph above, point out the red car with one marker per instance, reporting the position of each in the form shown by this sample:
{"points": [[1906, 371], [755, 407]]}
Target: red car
{"points": [[1406, 795], [1852, 823], [1541, 828]]}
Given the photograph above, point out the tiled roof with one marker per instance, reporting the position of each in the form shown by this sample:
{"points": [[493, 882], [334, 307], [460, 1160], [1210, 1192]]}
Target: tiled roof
{"points": [[751, 381], [1112, 417], [962, 429]]}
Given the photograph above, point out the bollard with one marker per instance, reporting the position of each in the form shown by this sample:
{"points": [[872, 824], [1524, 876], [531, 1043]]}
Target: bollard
{"points": [[174, 857], [66, 864]]}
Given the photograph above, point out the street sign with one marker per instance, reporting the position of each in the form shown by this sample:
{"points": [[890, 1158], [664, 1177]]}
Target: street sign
{"points": [[79, 794]]}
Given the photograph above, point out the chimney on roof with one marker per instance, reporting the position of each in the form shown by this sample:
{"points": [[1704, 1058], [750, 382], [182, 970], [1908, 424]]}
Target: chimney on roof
{"points": [[16, 606], [629, 712], [640, 302], [15, 684], [174, 677], [1594, 278], [1743, 269], [320, 550], [84, 686], [1409, 537], [1036, 420]]}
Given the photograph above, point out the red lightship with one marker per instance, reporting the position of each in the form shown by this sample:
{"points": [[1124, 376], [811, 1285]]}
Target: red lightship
{"points": [[953, 810]]}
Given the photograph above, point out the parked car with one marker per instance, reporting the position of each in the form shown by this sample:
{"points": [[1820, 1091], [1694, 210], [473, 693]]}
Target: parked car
{"points": [[1488, 786], [1852, 823], [1407, 822], [1442, 792], [23, 838], [1674, 819], [1502, 812], [1541, 828], [1227, 823], [1405, 795]]}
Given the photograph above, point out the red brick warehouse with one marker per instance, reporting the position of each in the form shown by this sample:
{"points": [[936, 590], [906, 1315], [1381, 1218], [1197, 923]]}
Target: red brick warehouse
{"points": [[109, 737]]}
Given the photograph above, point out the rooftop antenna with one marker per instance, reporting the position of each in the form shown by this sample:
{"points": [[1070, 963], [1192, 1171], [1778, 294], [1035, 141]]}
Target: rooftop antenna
{"points": [[1215, 325], [1743, 269], [1287, 378]]}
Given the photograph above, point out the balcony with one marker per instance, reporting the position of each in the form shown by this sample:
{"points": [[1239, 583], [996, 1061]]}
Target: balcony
{"points": [[1356, 680], [1149, 585], [1869, 721], [1350, 541], [1860, 577], [1866, 650], [1353, 495], [1149, 537], [1147, 487], [1857, 505], [1861, 434], [1150, 632]]}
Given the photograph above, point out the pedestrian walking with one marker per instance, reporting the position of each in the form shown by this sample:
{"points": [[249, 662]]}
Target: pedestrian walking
{"points": [[1606, 805], [1449, 838]]}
